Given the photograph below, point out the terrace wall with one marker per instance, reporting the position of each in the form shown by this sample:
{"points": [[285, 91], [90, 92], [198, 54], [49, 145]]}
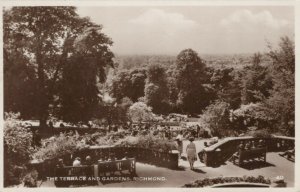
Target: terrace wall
{"points": [[220, 152], [149, 156]]}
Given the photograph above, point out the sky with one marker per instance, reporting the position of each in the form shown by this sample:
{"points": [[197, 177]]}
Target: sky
{"points": [[206, 29]]}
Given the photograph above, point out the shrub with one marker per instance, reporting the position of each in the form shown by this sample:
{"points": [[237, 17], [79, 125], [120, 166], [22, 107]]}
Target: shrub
{"points": [[264, 133], [59, 146], [147, 141], [139, 112], [17, 149], [219, 180], [30, 180]]}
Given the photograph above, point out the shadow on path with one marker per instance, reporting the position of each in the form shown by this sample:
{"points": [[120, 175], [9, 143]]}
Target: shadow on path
{"points": [[198, 171], [256, 165]]}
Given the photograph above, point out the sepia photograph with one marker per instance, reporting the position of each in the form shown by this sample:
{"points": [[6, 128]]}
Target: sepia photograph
{"points": [[149, 96]]}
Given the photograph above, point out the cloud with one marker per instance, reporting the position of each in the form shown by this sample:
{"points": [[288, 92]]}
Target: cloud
{"points": [[161, 18], [156, 31], [248, 20]]}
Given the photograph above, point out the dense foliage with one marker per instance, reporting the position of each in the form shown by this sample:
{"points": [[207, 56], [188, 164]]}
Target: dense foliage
{"points": [[127, 83], [156, 89], [38, 43], [70, 143], [139, 112], [148, 142], [216, 118], [259, 95], [282, 98], [17, 149], [190, 77], [81, 74], [59, 146]]}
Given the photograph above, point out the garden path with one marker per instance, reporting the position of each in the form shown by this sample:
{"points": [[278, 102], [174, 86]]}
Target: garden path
{"points": [[277, 166]]}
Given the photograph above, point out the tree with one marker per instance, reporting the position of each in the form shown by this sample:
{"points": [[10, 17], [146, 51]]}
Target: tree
{"points": [[256, 82], [253, 114], [128, 83], [190, 75], [120, 85], [156, 90], [226, 82], [117, 112], [45, 37], [282, 96], [256, 59], [122, 109], [138, 77], [81, 74], [172, 87], [216, 117], [20, 86], [139, 112]]}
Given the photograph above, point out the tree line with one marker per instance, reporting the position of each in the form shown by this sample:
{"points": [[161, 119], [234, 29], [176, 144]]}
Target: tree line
{"points": [[260, 94]]}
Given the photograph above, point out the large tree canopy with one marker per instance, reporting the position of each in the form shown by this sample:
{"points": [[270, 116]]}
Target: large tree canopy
{"points": [[156, 90], [81, 73], [46, 38], [190, 76], [282, 96], [256, 82], [128, 83]]}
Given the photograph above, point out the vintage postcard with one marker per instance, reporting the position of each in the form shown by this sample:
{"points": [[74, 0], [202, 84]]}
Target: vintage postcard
{"points": [[149, 94]]}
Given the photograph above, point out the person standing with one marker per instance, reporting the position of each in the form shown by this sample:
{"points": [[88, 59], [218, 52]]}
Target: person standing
{"points": [[36, 138], [61, 173], [90, 170], [179, 139], [191, 152], [51, 127], [77, 162]]}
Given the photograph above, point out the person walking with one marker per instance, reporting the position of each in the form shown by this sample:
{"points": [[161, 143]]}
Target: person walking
{"points": [[191, 152]]}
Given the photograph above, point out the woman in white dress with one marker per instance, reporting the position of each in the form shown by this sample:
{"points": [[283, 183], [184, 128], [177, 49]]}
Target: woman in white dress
{"points": [[191, 152]]}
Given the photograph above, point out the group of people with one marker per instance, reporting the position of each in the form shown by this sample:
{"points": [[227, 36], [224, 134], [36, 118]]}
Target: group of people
{"points": [[76, 163], [88, 160], [248, 145]]}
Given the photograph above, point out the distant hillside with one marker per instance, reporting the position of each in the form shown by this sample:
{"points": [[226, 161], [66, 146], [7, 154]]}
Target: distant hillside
{"points": [[215, 61]]}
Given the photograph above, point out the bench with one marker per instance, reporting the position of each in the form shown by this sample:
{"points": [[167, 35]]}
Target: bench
{"points": [[111, 167], [250, 154], [69, 175]]}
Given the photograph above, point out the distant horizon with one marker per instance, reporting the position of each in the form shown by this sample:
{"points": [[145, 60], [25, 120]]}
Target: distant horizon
{"points": [[199, 54]]}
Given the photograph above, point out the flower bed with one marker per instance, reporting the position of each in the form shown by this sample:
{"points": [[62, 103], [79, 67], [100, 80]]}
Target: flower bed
{"points": [[211, 182]]}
